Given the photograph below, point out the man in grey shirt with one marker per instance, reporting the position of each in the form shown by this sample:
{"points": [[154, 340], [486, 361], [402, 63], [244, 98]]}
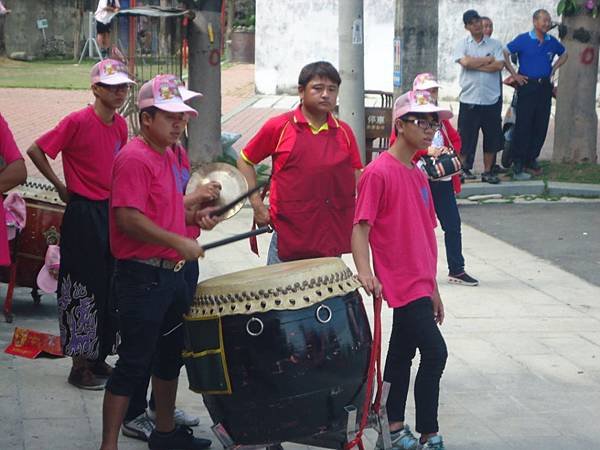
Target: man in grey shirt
{"points": [[480, 58]]}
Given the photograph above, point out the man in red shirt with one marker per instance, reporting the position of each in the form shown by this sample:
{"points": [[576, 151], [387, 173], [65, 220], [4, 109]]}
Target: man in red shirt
{"points": [[150, 243], [88, 139], [395, 216], [315, 167]]}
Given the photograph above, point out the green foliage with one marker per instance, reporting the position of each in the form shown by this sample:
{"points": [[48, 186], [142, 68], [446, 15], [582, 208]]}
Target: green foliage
{"points": [[567, 7], [571, 172], [230, 156]]}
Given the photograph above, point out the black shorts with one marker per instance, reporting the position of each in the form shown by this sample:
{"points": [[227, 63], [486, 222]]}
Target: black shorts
{"points": [[102, 28], [488, 119]]}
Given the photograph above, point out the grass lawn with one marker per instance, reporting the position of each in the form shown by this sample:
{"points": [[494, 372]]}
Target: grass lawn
{"points": [[51, 74], [572, 173]]}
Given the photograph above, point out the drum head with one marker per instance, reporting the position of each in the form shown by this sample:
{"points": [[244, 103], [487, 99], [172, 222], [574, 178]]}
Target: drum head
{"points": [[233, 184], [284, 286]]}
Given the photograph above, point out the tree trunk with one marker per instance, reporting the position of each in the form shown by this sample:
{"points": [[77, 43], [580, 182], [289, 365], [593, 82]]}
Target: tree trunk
{"points": [[205, 76], [229, 28], [416, 35], [576, 122]]}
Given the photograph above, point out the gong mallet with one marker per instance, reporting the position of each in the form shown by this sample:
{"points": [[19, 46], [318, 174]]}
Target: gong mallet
{"points": [[237, 237]]}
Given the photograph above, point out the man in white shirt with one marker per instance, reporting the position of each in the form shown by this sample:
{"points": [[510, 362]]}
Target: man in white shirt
{"points": [[480, 58], [104, 13]]}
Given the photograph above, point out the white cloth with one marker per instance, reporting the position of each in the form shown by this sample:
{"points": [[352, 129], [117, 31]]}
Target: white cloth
{"points": [[102, 14]]}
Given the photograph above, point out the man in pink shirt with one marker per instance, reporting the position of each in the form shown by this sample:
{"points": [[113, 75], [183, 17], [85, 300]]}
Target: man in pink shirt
{"points": [[12, 173], [88, 140], [395, 216], [150, 243]]}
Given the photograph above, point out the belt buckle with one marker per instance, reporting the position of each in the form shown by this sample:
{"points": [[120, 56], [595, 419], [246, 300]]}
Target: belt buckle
{"points": [[179, 265]]}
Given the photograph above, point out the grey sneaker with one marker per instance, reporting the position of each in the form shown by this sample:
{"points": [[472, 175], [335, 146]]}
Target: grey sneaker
{"points": [[401, 440], [433, 443], [180, 417], [139, 428], [462, 278], [521, 176]]}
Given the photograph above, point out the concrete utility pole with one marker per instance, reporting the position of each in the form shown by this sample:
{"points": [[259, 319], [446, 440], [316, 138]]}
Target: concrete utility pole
{"points": [[352, 68], [415, 41], [204, 40]]}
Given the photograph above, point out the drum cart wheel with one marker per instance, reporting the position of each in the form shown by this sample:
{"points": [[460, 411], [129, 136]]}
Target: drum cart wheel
{"points": [[36, 296], [274, 447]]}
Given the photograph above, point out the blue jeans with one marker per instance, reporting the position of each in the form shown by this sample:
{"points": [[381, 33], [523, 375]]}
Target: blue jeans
{"points": [[273, 255], [447, 213]]}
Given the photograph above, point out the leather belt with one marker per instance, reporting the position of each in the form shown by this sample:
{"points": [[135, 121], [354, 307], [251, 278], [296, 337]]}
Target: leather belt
{"points": [[175, 266], [539, 80]]}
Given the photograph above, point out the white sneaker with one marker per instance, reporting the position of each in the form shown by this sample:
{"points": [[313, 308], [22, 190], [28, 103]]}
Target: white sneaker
{"points": [[180, 417], [183, 418], [401, 440], [434, 443], [139, 428]]}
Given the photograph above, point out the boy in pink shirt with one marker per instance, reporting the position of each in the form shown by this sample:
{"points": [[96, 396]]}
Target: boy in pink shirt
{"points": [[396, 218], [150, 243], [12, 173], [88, 140]]}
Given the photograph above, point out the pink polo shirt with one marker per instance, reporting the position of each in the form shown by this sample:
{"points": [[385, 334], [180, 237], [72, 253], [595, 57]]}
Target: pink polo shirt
{"points": [[9, 153], [88, 148], [146, 180], [396, 202]]}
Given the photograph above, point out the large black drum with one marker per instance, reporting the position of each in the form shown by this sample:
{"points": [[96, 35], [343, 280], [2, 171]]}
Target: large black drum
{"points": [[279, 351]]}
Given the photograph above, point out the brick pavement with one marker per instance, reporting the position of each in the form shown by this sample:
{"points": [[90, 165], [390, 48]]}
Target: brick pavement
{"points": [[31, 112]]}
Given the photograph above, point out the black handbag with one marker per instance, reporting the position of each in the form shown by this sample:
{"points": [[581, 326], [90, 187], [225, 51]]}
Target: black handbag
{"points": [[445, 165]]}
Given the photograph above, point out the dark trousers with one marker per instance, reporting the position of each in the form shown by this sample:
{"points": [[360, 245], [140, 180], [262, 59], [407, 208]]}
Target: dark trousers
{"points": [[414, 327], [138, 402], [86, 319], [150, 303], [534, 100], [471, 119], [447, 213]]}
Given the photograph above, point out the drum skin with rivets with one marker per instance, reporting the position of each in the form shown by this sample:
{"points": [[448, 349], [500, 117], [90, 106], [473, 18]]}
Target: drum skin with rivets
{"points": [[295, 344]]}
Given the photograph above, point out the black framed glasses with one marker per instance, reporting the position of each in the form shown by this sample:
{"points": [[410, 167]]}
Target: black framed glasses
{"points": [[114, 88], [424, 124]]}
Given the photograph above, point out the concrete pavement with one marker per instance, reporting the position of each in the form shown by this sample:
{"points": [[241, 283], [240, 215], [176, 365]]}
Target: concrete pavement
{"points": [[524, 365], [523, 371]]}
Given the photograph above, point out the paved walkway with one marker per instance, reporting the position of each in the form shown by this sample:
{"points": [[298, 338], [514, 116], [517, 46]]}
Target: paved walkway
{"points": [[523, 371], [524, 366]]}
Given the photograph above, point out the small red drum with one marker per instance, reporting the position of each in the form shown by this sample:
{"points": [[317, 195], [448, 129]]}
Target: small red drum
{"points": [[42, 228]]}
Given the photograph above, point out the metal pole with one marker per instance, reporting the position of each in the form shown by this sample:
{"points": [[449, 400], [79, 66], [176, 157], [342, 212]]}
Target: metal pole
{"points": [[204, 36], [352, 68]]}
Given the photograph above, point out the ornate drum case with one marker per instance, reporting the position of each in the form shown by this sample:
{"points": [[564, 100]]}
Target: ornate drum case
{"points": [[42, 228], [279, 351]]}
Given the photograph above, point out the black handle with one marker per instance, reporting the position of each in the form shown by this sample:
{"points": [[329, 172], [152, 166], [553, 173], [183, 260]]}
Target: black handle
{"points": [[238, 237], [223, 209]]}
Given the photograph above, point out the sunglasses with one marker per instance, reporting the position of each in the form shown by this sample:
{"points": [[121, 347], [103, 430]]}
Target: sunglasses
{"points": [[114, 87]]}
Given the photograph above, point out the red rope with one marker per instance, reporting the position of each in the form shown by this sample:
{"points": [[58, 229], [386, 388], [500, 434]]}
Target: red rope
{"points": [[373, 372]]}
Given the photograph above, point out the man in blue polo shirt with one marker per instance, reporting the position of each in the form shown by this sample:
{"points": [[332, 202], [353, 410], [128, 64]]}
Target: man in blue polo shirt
{"points": [[536, 51]]}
